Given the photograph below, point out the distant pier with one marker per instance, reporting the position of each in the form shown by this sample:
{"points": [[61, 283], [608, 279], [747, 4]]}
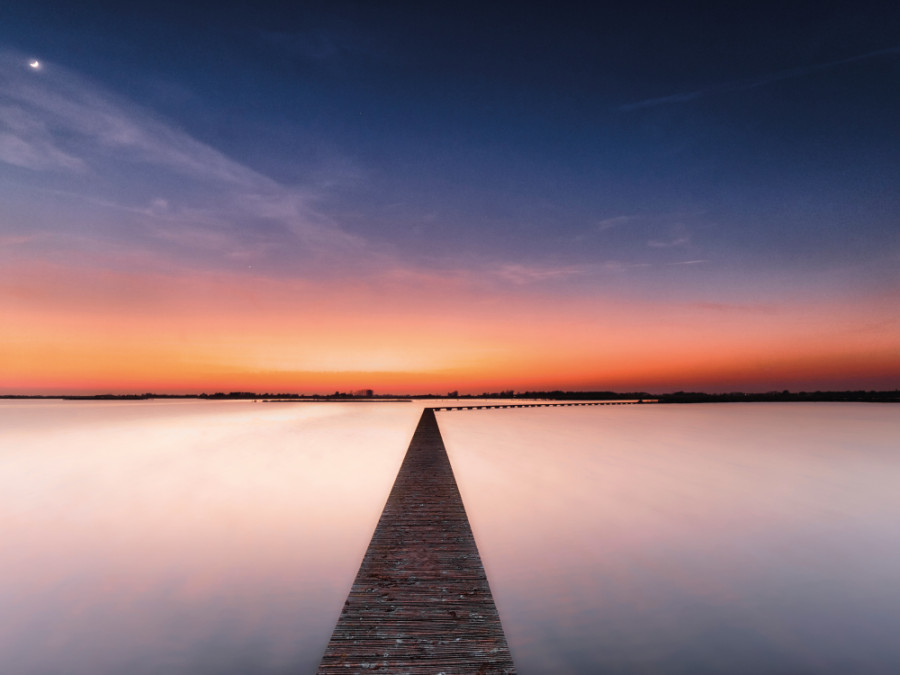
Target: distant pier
{"points": [[489, 406], [421, 601]]}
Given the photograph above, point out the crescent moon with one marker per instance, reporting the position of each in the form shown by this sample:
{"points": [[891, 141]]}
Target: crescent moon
{"points": [[34, 63]]}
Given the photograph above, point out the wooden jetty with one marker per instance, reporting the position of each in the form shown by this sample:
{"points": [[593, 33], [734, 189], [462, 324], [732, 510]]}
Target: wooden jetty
{"points": [[421, 601], [555, 404]]}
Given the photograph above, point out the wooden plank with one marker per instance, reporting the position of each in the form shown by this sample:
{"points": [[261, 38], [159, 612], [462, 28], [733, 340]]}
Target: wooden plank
{"points": [[421, 601]]}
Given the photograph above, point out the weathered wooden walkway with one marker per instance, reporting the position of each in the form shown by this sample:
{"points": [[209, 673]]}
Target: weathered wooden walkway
{"points": [[421, 601]]}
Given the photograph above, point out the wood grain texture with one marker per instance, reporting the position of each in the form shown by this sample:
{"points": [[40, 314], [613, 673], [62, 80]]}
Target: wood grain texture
{"points": [[421, 601]]}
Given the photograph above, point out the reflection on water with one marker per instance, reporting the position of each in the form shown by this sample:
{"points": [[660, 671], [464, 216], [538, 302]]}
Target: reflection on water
{"points": [[739, 538], [213, 538], [185, 537]]}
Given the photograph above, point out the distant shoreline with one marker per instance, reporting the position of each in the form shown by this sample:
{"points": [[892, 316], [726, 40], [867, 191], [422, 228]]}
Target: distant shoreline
{"points": [[891, 396]]}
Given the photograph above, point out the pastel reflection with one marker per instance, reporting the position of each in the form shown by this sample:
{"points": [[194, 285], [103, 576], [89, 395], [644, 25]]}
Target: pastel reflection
{"points": [[185, 537], [688, 539]]}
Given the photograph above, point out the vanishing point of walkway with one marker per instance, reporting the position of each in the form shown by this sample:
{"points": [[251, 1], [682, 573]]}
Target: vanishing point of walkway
{"points": [[420, 602]]}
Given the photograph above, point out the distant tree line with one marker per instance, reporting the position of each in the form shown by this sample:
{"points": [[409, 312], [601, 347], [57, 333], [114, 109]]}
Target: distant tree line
{"points": [[558, 395], [785, 396], [892, 396]]}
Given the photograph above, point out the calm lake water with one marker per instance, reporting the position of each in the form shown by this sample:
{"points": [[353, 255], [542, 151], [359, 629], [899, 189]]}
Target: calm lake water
{"points": [[724, 538], [200, 537]]}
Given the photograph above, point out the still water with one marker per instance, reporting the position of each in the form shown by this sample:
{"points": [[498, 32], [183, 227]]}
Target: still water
{"points": [[724, 538], [201, 537], [185, 537]]}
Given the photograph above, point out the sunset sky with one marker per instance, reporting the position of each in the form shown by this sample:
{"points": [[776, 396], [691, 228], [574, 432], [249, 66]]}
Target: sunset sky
{"points": [[415, 197]]}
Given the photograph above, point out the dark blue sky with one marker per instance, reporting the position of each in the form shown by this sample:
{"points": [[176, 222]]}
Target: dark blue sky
{"points": [[688, 152], [511, 121]]}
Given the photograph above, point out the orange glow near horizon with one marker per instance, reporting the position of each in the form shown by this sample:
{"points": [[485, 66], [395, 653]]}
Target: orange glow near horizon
{"points": [[312, 248], [96, 332]]}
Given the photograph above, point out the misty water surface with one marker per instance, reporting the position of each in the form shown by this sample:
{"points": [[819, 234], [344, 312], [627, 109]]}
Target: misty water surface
{"points": [[738, 538], [201, 537], [185, 536]]}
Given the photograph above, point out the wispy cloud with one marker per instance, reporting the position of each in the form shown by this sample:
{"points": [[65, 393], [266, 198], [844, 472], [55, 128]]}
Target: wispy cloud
{"points": [[136, 177], [526, 274], [736, 308], [28, 143], [752, 83], [17, 240], [59, 114], [687, 262], [669, 243], [615, 221], [118, 179]]}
